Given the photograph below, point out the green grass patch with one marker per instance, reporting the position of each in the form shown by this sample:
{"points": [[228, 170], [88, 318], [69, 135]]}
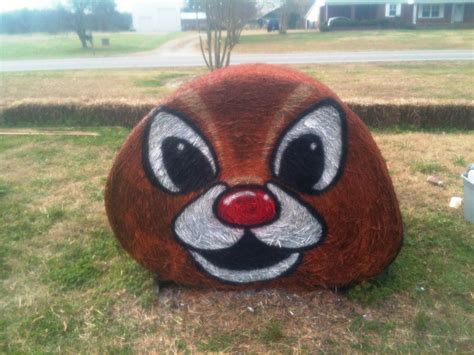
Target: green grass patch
{"points": [[460, 161], [44, 329], [428, 260], [217, 343], [427, 167], [68, 45], [4, 188], [160, 79], [422, 322], [272, 332], [75, 269], [68, 285], [366, 331]]}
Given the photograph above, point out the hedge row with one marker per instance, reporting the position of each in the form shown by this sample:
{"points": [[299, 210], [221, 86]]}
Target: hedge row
{"points": [[345, 24], [72, 114], [426, 116]]}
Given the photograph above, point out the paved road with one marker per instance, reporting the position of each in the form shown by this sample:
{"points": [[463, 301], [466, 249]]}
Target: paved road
{"points": [[160, 59]]}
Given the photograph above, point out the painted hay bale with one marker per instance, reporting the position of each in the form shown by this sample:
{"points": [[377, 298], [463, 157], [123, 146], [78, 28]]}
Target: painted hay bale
{"points": [[254, 176]]}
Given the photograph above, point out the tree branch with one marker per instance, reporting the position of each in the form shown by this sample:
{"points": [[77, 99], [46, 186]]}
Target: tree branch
{"points": [[230, 17], [200, 39]]}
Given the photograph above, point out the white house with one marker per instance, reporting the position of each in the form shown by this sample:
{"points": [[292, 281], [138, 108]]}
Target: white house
{"points": [[409, 12], [312, 16], [156, 16]]}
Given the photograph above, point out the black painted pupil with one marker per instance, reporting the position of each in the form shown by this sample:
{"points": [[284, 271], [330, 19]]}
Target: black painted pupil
{"points": [[186, 165], [302, 163]]}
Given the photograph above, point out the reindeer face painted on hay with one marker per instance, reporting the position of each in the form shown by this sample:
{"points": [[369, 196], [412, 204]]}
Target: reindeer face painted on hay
{"points": [[254, 176]]}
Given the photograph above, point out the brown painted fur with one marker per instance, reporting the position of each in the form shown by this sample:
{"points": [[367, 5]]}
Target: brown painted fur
{"points": [[242, 110]]}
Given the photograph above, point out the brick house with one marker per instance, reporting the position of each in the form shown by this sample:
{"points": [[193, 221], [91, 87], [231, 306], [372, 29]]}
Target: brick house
{"points": [[409, 12]]}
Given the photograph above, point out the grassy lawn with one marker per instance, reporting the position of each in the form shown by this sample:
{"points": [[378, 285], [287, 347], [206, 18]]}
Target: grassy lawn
{"points": [[68, 45], [313, 41], [441, 81], [67, 287]]}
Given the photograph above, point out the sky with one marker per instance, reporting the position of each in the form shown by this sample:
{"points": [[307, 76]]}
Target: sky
{"points": [[8, 5]]}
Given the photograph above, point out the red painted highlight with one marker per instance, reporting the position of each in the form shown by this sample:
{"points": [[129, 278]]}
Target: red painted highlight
{"points": [[246, 207]]}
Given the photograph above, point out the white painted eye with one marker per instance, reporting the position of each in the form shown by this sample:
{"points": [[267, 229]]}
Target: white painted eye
{"points": [[176, 156], [310, 154]]}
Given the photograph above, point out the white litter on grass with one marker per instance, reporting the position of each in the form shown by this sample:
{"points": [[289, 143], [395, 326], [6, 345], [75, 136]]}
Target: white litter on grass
{"points": [[455, 202], [434, 180]]}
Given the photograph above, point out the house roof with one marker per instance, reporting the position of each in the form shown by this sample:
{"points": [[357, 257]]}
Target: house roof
{"points": [[358, 2], [376, 2], [442, 2]]}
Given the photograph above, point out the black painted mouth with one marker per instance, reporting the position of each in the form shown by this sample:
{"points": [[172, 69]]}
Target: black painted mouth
{"points": [[248, 253]]}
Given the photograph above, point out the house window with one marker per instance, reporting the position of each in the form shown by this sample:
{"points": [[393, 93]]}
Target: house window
{"points": [[425, 11], [393, 10], [431, 11]]}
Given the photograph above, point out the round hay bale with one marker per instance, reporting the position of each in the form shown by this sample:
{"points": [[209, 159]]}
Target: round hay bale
{"points": [[254, 176]]}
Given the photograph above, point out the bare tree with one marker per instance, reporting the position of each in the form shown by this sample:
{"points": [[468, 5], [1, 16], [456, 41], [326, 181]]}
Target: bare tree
{"points": [[288, 7], [225, 20], [89, 14], [284, 10], [79, 17]]}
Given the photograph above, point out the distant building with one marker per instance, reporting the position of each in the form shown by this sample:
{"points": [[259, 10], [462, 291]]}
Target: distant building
{"points": [[312, 17], [156, 16], [409, 12], [270, 11], [191, 20], [264, 7]]}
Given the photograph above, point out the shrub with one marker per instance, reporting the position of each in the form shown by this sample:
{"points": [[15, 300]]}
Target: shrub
{"points": [[379, 23], [378, 115]]}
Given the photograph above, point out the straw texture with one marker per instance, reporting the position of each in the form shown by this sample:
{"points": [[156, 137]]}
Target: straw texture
{"points": [[339, 233]]}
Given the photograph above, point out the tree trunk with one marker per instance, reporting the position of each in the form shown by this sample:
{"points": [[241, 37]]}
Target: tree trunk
{"points": [[225, 20], [284, 18], [82, 38]]}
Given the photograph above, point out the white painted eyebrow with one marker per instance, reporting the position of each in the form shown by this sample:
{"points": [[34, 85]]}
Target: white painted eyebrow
{"points": [[326, 123], [165, 125]]}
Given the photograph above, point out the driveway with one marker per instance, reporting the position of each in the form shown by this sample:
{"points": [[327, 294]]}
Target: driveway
{"points": [[171, 57]]}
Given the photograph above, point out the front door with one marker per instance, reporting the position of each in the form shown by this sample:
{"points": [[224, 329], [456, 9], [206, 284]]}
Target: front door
{"points": [[458, 13]]}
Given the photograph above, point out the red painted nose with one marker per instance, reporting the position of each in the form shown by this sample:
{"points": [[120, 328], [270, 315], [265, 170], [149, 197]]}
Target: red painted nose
{"points": [[246, 206]]}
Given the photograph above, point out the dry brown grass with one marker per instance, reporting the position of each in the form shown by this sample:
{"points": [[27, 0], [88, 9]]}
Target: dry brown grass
{"points": [[314, 41], [121, 96], [87, 85], [422, 82], [379, 82], [404, 153], [312, 321]]}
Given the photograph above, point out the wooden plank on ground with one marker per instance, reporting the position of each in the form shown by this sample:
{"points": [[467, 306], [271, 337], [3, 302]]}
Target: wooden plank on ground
{"points": [[33, 132]]}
